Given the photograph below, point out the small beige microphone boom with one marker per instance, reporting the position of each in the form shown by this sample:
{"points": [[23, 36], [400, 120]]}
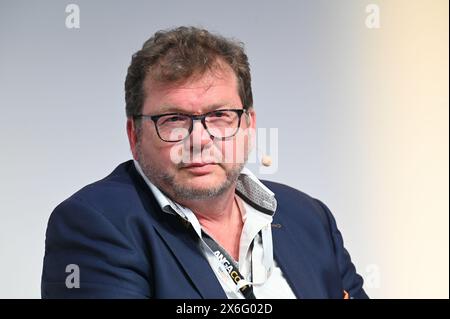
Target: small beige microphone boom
{"points": [[266, 160]]}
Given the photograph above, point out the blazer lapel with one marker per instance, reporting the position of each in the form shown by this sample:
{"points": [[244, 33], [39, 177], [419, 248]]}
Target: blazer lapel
{"points": [[185, 248], [296, 268]]}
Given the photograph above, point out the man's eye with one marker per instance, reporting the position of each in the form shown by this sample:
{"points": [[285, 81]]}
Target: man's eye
{"points": [[173, 119], [219, 114]]}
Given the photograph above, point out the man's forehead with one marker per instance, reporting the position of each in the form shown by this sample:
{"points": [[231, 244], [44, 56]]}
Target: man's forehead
{"points": [[169, 96], [222, 75], [200, 85]]}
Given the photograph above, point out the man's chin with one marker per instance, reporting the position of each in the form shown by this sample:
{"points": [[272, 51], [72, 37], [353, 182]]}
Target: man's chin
{"points": [[202, 182], [200, 187]]}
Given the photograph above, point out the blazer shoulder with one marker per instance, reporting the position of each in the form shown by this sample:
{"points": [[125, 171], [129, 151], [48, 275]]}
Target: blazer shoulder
{"points": [[110, 196], [286, 191]]}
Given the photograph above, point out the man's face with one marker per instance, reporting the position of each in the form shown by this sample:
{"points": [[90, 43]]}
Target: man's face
{"points": [[209, 166]]}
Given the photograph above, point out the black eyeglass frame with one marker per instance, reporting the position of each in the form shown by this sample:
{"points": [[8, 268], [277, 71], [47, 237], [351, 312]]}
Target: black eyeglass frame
{"points": [[200, 117]]}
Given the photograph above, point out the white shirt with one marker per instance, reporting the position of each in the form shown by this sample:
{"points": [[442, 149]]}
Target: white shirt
{"points": [[256, 263]]}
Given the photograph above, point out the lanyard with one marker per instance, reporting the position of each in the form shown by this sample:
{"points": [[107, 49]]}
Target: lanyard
{"points": [[232, 268]]}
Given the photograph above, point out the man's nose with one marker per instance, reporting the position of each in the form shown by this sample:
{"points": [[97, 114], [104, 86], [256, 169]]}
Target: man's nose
{"points": [[199, 135]]}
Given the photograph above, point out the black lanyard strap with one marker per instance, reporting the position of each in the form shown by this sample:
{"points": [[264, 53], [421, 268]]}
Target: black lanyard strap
{"points": [[230, 265]]}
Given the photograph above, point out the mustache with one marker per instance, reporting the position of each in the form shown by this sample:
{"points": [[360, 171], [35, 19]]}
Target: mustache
{"points": [[198, 163], [183, 154], [208, 154]]}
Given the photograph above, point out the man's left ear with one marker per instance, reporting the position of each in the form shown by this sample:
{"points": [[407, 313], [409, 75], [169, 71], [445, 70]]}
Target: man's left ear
{"points": [[250, 118]]}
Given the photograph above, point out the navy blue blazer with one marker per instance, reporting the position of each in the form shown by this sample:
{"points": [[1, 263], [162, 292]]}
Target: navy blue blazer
{"points": [[126, 247]]}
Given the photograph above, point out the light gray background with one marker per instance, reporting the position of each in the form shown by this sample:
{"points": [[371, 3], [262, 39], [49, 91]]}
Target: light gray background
{"points": [[62, 122]]}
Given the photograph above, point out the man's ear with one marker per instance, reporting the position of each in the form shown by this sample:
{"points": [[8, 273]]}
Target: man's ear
{"points": [[251, 118], [132, 136]]}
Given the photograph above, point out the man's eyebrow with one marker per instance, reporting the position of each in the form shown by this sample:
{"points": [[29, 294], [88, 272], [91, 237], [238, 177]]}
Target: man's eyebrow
{"points": [[175, 109]]}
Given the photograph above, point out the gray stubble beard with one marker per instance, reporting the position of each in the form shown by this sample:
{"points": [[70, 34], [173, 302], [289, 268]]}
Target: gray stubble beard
{"points": [[162, 180]]}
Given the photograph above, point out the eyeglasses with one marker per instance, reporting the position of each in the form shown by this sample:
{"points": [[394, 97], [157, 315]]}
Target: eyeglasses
{"points": [[174, 127]]}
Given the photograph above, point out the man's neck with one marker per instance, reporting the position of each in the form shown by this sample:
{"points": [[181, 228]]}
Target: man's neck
{"points": [[221, 218], [214, 210]]}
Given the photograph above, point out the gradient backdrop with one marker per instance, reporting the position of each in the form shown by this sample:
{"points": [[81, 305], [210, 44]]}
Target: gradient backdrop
{"points": [[362, 118]]}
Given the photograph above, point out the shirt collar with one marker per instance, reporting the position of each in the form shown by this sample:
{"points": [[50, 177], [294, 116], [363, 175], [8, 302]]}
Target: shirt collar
{"points": [[255, 193]]}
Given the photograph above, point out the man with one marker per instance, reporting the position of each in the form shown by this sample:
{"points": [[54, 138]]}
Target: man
{"points": [[183, 220]]}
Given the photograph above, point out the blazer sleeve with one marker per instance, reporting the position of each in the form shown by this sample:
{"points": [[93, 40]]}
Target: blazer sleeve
{"points": [[352, 282], [80, 236]]}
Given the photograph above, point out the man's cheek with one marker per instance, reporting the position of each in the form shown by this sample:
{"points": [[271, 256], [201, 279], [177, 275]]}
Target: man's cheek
{"points": [[177, 154], [224, 152], [239, 148], [228, 152]]}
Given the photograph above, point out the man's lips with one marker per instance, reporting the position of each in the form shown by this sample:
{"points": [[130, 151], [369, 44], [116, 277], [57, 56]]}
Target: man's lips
{"points": [[191, 165], [199, 169]]}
